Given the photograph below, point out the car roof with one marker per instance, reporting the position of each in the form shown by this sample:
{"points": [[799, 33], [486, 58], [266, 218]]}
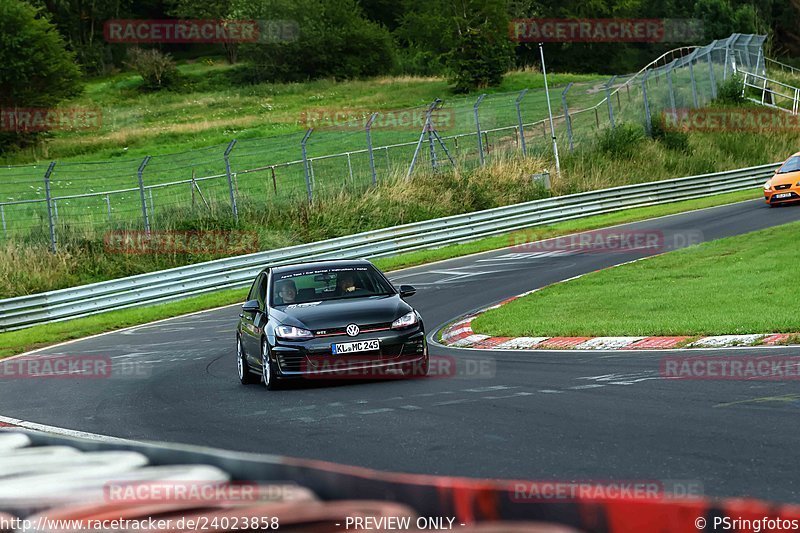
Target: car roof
{"points": [[332, 263]]}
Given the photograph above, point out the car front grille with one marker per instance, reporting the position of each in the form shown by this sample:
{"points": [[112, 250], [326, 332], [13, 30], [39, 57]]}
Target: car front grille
{"points": [[363, 328], [782, 187]]}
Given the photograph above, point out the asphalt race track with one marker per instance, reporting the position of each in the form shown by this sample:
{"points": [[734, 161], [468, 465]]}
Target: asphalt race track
{"points": [[532, 415]]}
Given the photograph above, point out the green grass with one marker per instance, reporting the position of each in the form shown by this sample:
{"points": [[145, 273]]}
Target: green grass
{"points": [[738, 285], [30, 338]]}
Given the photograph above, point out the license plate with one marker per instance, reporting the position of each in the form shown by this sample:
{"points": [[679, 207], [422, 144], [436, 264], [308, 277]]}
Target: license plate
{"points": [[360, 346], [783, 195]]}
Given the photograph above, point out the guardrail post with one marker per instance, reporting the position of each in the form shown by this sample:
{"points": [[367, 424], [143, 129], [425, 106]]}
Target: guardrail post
{"points": [[519, 121], [608, 99], [50, 206], [306, 170], [226, 156], [369, 148], [647, 123], [478, 128], [139, 173], [567, 118]]}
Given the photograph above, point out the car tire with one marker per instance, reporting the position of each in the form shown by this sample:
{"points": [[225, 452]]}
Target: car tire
{"points": [[246, 377], [269, 372], [420, 368]]}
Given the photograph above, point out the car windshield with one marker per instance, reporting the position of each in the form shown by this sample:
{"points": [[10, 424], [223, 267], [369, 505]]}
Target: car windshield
{"points": [[791, 165], [318, 284]]}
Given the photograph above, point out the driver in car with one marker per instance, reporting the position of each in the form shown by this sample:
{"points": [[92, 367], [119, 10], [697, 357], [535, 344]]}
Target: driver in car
{"points": [[346, 283], [287, 291]]}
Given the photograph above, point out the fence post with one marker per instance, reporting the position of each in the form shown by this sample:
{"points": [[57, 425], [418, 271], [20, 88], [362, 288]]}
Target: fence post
{"points": [[49, 206], [3, 216], [608, 99], [647, 123], [226, 156], [478, 127], [139, 173], [152, 206], [305, 164], [671, 92], [519, 121], [694, 84], [369, 148], [567, 118], [349, 167], [711, 74], [725, 68], [108, 207], [429, 129]]}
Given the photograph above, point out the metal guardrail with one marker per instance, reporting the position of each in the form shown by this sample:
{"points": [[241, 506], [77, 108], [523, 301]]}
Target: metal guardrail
{"points": [[239, 271]]}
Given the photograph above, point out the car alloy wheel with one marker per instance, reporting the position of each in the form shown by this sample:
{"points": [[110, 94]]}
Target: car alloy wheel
{"points": [[267, 368], [245, 376]]}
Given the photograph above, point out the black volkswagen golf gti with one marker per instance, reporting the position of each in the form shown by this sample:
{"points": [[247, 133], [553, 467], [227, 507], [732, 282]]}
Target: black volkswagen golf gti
{"points": [[329, 319]]}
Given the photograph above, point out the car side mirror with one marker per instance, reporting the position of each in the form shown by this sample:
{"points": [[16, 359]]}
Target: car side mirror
{"points": [[407, 290], [251, 306]]}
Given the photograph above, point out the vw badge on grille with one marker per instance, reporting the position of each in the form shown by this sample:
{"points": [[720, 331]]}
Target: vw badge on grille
{"points": [[352, 330]]}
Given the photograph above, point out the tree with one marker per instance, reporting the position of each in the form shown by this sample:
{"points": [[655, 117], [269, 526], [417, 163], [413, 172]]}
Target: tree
{"points": [[332, 39], [467, 39], [208, 9], [483, 51], [36, 70]]}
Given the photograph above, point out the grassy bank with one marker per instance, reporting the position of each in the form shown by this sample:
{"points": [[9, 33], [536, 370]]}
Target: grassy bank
{"points": [[27, 339], [27, 267], [739, 285]]}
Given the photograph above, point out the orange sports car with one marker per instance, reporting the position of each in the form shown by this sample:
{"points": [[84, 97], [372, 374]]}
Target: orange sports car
{"points": [[784, 186]]}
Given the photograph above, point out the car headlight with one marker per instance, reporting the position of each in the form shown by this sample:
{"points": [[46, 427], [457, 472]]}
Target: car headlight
{"points": [[291, 332], [409, 319], [767, 186]]}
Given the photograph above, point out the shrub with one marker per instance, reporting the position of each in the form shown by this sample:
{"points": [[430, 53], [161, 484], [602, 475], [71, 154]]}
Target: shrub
{"points": [[158, 70], [620, 142], [671, 138], [729, 91]]}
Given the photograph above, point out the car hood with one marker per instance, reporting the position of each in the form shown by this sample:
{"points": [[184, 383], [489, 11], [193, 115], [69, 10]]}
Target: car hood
{"points": [[340, 313], [783, 179]]}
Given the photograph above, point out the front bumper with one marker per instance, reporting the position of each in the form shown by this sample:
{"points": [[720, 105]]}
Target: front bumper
{"points": [[775, 196], [315, 357]]}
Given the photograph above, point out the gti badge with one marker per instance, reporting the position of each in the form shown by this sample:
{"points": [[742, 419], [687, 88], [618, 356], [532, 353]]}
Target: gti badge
{"points": [[352, 330]]}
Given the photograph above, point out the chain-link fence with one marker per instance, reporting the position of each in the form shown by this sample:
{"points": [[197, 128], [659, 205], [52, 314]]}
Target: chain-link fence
{"points": [[64, 200]]}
